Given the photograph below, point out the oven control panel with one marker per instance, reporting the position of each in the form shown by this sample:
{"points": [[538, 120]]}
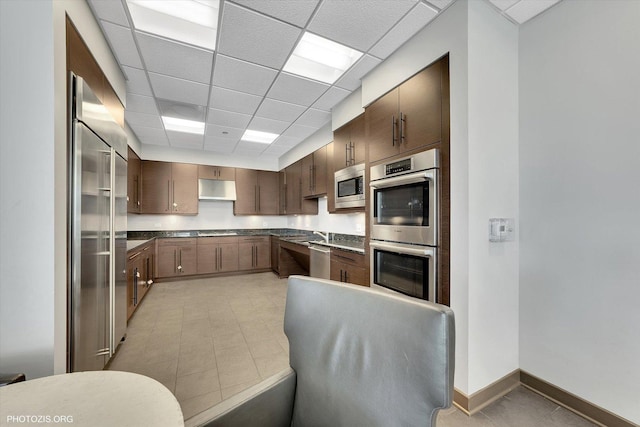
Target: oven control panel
{"points": [[397, 167]]}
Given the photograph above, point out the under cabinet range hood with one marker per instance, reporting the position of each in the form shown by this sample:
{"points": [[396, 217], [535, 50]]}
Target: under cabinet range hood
{"points": [[214, 189]]}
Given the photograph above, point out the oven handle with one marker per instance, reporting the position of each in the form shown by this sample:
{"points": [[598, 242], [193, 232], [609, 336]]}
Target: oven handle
{"points": [[404, 249], [411, 178]]}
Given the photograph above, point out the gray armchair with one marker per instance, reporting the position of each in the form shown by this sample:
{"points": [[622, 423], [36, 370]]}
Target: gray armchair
{"points": [[359, 357]]}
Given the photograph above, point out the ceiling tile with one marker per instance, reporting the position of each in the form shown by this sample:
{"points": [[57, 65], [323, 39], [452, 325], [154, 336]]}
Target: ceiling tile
{"points": [[296, 90], [504, 4], [287, 141], [330, 98], [180, 110], [295, 12], [152, 136], [219, 131], [219, 144], [142, 119], [248, 147], [175, 59], [299, 131], [228, 119], [278, 110], [122, 44], [240, 75], [178, 89], [137, 81], [268, 125], [527, 9], [314, 118], [358, 24], [234, 101], [256, 38], [109, 10], [351, 79], [185, 140], [276, 150], [440, 4], [141, 104], [420, 16]]}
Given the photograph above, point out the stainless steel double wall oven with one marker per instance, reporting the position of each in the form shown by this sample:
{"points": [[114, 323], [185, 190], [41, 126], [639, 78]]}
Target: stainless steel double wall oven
{"points": [[404, 224]]}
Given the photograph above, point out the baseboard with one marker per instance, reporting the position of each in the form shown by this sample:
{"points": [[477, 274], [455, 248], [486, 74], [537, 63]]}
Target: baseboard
{"points": [[574, 403], [486, 396]]}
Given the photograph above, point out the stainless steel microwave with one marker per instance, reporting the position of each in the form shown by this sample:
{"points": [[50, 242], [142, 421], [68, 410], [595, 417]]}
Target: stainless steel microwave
{"points": [[349, 187]]}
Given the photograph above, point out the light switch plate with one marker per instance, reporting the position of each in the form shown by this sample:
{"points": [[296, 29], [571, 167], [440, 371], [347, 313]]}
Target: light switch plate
{"points": [[501, 229]]}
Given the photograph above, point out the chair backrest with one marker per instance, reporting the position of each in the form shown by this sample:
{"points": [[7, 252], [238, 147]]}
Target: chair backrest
{"points": [[365, 357]]}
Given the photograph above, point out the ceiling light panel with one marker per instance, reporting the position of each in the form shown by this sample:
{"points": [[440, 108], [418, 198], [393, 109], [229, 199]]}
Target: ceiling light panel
{"points": [[320, 59], [228, 119], [175, 59], [110, 10], [122, 44], [137, 81], [420, 16], [258, 136], [142, 119], [296, 90], [141, 104], [351, 79], [179, 89], [243, 76], [278, 110], [295, 12], [234, 101], [175, 124], [256, 38], [181, 110], [190, 21], [358, 24]]}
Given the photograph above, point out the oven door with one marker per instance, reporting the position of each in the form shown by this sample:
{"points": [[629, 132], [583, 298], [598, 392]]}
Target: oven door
{"points": [[407, 269], [404, 208]]}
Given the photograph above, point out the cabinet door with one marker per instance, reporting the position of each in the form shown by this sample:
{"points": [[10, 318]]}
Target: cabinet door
{"points": [[132, 269], [282, 193], [207, 258], [341, 140], [246, 192], [268, 193], [184, 188], [358, 140], [382, 122], [156, 187], [228, 257], [246, 254], [263, 254], [167, 261], [133, 182], [356, 275], [306, 175], [187, 260], [337, 271], [294, 198], [320, 171], [330, 180], [216, 172], [421, 108]]}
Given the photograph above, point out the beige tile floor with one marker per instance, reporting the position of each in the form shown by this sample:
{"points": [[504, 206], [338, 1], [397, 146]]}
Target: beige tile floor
{"points": [[208, 339]]}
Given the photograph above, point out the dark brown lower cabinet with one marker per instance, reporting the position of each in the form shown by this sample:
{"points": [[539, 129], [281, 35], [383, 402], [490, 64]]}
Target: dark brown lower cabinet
{"points": [[176, 257], [217, 255], [348, 267], [140, 275], [254, 253]]}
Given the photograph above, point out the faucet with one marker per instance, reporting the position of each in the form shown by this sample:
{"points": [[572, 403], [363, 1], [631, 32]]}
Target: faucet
{"points": [[323, 235]]}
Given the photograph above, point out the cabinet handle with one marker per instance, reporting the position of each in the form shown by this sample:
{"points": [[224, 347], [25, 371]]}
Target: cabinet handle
{"points": [[256, 256], [173, 196], [346, 154], [169, 195], [175, 259], [220, 256], [346, 280], [341, 275], [216, 260], [258, 198], [135, 286], [403, 118], [393, 130], [255, 198]]}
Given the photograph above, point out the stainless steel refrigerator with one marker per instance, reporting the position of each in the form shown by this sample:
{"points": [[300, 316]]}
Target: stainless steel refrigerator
{"points": [[97, 287]]}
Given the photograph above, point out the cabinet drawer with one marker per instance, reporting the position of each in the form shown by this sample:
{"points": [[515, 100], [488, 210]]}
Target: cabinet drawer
{"points": [[177, 241], [216, 240], [253, 239], [347, 257]]}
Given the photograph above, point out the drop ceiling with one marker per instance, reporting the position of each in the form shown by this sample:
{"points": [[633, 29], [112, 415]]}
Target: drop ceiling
{"points": [[240, 84]]}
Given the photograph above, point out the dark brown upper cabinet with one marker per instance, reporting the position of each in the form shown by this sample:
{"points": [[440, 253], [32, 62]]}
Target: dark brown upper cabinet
{"points": [[169, 188], [314, 174], [257, 192], [216, 172], [134, 183], [349, 144]]}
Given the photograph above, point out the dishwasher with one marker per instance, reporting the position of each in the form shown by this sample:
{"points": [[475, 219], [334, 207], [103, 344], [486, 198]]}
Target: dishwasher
{"points": [[319, 261]]}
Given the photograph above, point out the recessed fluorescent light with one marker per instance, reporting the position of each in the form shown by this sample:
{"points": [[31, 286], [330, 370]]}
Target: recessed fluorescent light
{"points": [[190, 21], [182, 125], [320, 59], [257, 136]]}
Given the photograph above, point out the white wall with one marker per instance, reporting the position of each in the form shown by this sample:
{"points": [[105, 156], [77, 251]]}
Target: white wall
{"points": [[199, 157], [580, 205], [218, 215], [318, 139], [26, 189], [493, 192]]}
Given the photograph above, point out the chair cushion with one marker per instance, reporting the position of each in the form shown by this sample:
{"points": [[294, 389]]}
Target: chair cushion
{"points": [[365, 357]]}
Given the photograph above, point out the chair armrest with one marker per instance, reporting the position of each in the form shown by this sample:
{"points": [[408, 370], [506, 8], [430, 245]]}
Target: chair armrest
{"points": [[267, 404]]}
